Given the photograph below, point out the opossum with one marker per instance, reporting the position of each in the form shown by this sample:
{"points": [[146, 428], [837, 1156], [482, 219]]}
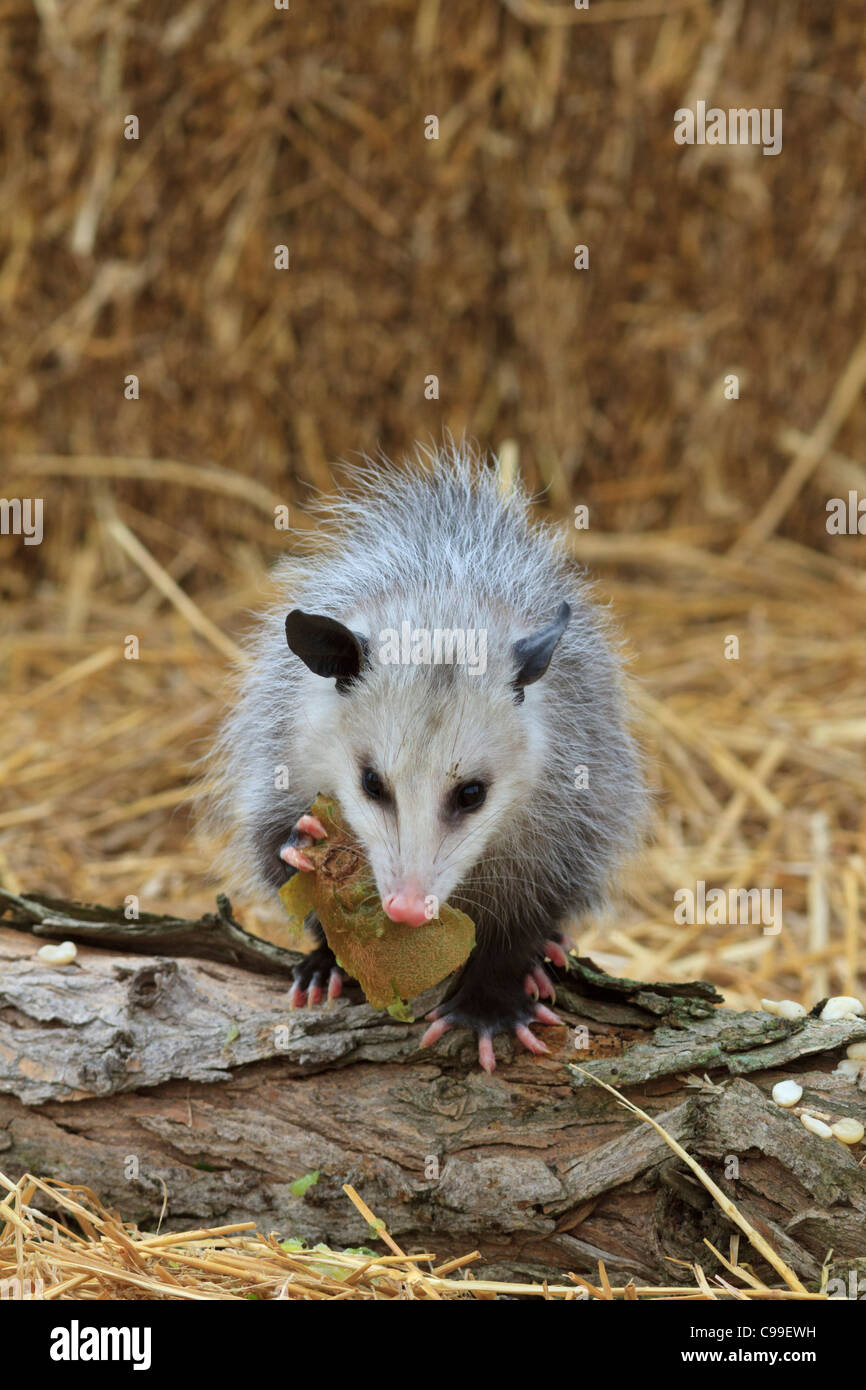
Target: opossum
{"points": [[506, 783]]}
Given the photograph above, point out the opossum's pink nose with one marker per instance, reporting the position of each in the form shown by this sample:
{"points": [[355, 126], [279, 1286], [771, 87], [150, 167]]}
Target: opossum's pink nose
{"points": [[406, 906]]}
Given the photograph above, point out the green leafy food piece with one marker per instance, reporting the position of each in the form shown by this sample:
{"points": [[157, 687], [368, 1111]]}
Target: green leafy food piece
{"points": [[392, 961], [298, 898], [339, 1273], [301, 1185]]}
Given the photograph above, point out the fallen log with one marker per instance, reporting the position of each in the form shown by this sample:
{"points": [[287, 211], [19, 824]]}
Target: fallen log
{"points": [[180, 1086]]}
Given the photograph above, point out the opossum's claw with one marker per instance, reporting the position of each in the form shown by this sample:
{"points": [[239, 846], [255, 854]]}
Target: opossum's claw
{"points": [[318, 976], [317, 988], [553, 950], [435, 1031], [303, 834], [486, 1055], [324, 985], [294, 855], [529, 1040], [539, 985], [297, 996], [445, 1019], [311, 825]]}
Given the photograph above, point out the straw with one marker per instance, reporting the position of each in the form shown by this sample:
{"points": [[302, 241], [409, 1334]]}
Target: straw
{"points": [[41, 1257]]}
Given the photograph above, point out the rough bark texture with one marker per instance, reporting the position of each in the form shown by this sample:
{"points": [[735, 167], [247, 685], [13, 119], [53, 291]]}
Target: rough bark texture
{"points": [[188, 1083]]}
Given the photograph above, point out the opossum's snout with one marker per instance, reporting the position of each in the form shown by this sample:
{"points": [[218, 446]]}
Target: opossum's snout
{"points": [[418, 843], [408, 905]]}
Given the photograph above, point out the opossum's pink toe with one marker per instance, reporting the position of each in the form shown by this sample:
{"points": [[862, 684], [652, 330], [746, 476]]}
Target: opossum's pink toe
{"points": [[311, 825], [435, 1031], [554, 952], [530, 984], [545, 989], [546, 1015], [294, 856], [529, 1040], [335, 985], [297, 997], [486, 1055], [315, 996]]}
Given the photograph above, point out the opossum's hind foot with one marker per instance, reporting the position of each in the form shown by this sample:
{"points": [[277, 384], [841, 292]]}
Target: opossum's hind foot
{"points": [[308, 829], [318, 976], [454, 1014]]}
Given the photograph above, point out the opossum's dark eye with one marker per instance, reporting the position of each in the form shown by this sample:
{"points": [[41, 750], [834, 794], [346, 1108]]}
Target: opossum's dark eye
{"points": [[372, 784], [469, 796]]}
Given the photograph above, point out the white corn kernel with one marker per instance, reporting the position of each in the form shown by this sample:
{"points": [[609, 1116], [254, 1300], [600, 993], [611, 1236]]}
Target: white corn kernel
{"points": [[817, 1126], [63, 954], [787, 1093], [789, 1008], [850, 1131], [841, 1006]]}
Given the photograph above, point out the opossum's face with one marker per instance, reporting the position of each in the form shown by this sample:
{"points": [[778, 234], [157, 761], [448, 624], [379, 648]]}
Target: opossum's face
{"points": [[427, 778], [430, 764]]}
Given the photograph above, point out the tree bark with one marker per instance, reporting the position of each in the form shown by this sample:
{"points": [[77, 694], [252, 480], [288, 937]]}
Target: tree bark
{"points": [[168, 1082]]}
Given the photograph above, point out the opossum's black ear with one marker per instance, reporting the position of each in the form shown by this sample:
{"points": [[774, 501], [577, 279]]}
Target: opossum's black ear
{"points": [[532, 654], [329, 648]]}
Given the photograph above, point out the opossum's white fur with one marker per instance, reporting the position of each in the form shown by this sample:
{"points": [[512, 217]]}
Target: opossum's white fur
{"points": [[440, 546]]}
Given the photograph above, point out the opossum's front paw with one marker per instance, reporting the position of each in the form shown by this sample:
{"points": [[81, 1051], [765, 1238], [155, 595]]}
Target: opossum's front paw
{"points": [[486, 1016], [317, 975], [308, 829]]}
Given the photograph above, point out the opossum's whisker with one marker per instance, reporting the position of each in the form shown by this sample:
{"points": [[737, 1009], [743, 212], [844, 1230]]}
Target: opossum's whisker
{"points": [[457, 847]]}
